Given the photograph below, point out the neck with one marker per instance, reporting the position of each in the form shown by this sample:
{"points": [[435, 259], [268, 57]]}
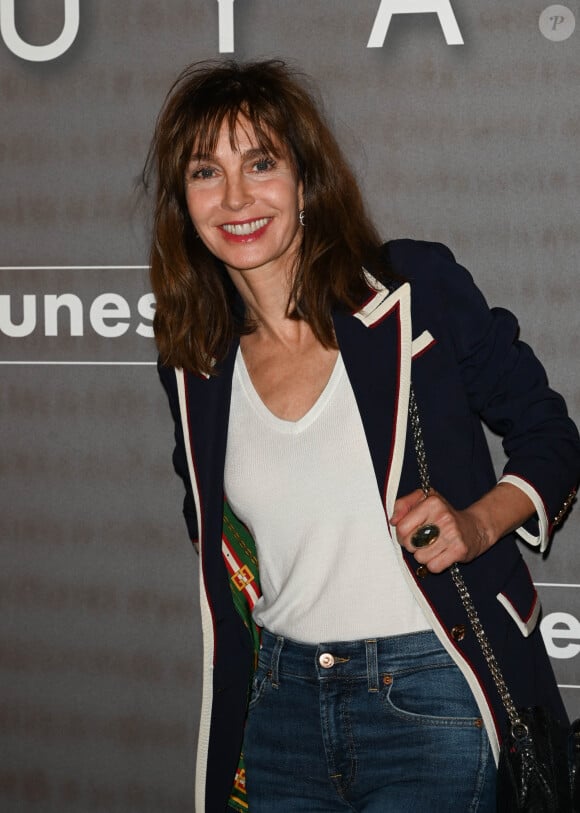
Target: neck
{"points": [[266, 300]]}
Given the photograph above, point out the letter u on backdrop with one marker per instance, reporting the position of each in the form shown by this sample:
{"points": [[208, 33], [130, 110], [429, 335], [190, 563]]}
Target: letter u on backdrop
{"points": [[39, 53]]}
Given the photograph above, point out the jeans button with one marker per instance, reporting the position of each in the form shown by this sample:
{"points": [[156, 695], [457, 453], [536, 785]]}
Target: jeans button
{"points": [[326, 660]]}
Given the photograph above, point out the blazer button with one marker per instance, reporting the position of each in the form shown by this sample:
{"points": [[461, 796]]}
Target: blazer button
{"points": [[458, 632], [422, 571]]}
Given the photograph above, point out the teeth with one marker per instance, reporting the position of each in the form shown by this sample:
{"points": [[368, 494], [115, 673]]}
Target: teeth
{"points": [[240, 229]]}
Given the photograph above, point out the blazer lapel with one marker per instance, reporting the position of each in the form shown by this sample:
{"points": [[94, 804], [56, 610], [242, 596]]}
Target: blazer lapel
{"points": [[206, 403], [375, 343]]}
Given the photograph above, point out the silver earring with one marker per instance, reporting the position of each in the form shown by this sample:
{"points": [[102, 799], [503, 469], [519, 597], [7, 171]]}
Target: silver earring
{"points": [[301, 218]]}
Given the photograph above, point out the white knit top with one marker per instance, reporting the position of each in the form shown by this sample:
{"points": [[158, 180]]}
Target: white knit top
{"points": [[307, 491]]}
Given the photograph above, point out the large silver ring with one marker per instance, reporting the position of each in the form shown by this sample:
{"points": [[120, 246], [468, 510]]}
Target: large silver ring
{"points": [[425, 535]]}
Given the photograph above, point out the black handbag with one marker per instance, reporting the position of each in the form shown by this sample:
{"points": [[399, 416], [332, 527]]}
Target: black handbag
{"points": [[539, 761], [534, 765]]}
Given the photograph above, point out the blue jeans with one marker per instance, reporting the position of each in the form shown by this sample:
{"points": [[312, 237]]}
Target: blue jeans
{"points": [[380, 726]]}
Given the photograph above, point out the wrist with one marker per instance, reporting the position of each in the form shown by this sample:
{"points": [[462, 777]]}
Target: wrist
{"points": [[484, 530], [500, 511]]}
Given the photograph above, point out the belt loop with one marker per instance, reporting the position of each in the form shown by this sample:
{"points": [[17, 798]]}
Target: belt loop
{"points": [[275, 660], [372, 665]]}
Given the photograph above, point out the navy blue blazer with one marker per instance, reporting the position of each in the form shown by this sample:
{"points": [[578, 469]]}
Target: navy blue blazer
{"points": [[467, 366]]}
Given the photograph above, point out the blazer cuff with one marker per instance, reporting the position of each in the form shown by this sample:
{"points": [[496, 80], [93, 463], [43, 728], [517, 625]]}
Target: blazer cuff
{"points": [[536, 531]]}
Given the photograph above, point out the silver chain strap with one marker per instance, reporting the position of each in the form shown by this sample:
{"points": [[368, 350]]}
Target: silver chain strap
{"points": [[458, 580]]}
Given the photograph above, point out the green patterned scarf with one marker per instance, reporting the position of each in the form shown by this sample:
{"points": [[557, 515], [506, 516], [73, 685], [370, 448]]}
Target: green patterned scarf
{"points": [[239, 552]]}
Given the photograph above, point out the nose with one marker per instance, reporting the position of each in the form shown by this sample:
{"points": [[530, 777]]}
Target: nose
{"points": [[237, 192]]}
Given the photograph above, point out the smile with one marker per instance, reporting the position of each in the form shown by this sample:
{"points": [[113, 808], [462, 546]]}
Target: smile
{"points": [[245, 229]]}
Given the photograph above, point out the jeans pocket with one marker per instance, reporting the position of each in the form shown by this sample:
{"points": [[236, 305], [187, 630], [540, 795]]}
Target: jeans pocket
{"points": [[431, 695]]}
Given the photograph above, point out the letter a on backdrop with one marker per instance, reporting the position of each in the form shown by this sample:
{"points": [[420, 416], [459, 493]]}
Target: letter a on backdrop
{"points": [[442, 8]]}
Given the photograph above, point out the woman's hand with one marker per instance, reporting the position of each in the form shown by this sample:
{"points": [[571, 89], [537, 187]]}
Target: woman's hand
{"points": [[463, 535], [460, 538]]}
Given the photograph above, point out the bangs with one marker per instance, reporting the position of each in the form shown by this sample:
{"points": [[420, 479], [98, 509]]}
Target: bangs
{"points": [[262, 122]]}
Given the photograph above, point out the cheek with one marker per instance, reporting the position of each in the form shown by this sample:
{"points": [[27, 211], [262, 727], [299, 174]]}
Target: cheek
{"points": [[292, 203], [192, 208], [197, 206]]}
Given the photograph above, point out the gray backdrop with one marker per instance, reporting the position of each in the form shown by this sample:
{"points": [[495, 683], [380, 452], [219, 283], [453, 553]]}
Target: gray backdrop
{"points": [[472, 144]]}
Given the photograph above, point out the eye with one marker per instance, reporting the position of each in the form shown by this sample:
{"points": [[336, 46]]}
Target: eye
{"points": [[201, 173], [264, 164]]}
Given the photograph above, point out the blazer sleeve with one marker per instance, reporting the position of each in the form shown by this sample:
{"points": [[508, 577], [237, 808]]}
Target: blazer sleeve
{"points": [[507, 386], [167, 376]]}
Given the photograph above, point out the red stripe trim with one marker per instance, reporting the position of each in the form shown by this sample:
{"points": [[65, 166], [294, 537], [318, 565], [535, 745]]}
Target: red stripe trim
{"points": [[536, 597], [392, 306], [383, 317], [424, 349], [526, 618], [201, 517], [396, 413], [239, 565], [367, 302], [231, 552]]}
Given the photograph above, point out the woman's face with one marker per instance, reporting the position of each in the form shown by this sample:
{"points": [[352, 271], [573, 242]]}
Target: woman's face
{"points": [[244, 203]]}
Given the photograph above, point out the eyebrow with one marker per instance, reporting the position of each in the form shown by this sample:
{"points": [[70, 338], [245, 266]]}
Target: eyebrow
{"points": [[253, 152]]}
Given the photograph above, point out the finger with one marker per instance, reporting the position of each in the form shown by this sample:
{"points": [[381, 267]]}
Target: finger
{"points": [[405, 504], [427, 511], [431, 528], [447, 550], [440, 562]]}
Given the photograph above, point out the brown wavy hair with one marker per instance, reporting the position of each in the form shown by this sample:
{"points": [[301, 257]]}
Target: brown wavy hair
{"points": [[198, 311]]}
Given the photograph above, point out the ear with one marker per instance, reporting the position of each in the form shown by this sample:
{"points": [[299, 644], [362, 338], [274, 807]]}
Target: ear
{"points": [[300, 195]]}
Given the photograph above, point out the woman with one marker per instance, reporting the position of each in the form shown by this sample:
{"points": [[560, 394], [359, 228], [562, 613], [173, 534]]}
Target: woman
{"points": [[288, 340]]}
